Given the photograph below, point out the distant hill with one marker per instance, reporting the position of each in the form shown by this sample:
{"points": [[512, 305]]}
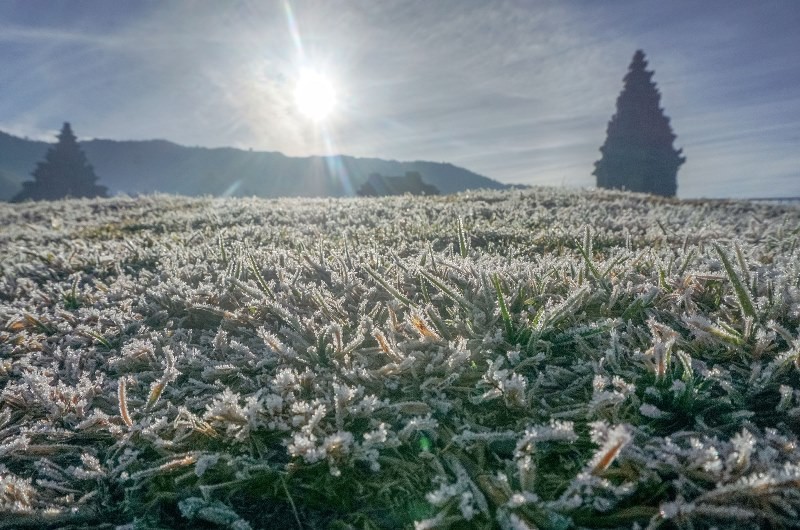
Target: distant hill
{"points": [[158, 165]]}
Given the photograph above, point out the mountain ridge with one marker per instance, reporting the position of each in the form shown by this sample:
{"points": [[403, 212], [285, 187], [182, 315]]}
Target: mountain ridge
{"points": [[147, 166]]}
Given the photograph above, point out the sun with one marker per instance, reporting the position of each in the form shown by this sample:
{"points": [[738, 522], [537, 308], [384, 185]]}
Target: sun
{"points": [[314, 96]]}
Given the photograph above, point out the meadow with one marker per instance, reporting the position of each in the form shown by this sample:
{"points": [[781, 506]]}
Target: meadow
{"points": [[544, 358]]}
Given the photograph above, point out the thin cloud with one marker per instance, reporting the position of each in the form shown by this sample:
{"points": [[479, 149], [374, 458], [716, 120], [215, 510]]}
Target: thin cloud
{"points": [[32, 35]]}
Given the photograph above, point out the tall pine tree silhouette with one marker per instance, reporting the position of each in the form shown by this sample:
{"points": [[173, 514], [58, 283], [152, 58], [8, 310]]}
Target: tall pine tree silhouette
{"points": [[638, 154], [65, 172]]}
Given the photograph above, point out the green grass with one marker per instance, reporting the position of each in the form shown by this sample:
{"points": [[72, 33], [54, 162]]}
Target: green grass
{"points": [[540, 359]]}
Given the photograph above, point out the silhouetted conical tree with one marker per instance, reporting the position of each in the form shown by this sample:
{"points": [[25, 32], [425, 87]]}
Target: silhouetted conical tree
{"points": [[65, 172], [638, 154]]}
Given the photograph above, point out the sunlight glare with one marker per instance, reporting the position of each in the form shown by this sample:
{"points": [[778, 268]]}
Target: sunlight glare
{"points": [[314, 96]]}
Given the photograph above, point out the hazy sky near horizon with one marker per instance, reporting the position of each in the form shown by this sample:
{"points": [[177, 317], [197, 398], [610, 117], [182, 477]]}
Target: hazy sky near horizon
{"points": [[520, 91]]}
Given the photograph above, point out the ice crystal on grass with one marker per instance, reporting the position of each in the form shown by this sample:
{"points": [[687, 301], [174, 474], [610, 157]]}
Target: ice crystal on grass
{"points": [[479, 360], [609, 392], [611, 441], [16, 494], [225, 411], [501, 383], [214, 512]]}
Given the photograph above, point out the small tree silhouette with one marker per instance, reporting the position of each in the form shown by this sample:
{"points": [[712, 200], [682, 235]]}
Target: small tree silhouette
{"points": [[65, 172], [638, 154]]}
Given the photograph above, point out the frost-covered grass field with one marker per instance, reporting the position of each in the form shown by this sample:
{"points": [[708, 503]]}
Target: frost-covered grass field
{"points": [[538, 359]]}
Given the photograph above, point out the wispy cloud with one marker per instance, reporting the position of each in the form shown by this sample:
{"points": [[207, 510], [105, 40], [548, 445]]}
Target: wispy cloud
{"points": [[49, 36]]}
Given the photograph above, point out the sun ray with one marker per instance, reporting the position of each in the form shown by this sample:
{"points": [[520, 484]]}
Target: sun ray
{"points": [[316, 99]]}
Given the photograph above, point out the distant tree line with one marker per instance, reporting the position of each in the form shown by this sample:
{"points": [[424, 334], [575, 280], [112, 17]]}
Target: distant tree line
{"points": [[64, 172], [378, 185]]}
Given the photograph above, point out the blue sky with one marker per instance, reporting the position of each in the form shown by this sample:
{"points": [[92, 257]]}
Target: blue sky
{"points": [[520, 91]]}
